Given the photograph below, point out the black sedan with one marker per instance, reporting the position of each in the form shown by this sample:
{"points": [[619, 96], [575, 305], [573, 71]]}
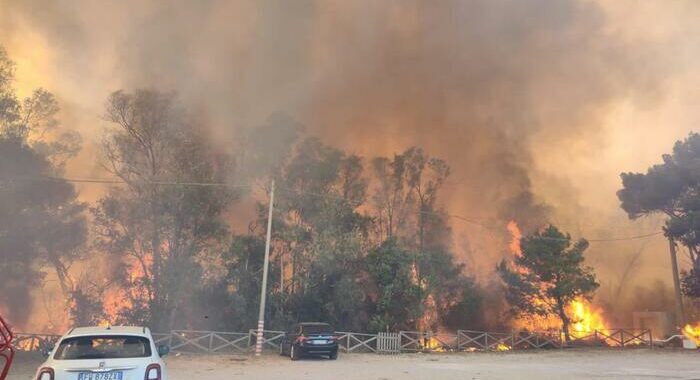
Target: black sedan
{"points": [[310, 339]]}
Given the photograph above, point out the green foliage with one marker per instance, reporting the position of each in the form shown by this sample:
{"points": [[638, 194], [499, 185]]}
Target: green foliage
{"points": [[548, 275], [456, 296], [333, 292], [464, 309], [231, 303], [399, 299]]}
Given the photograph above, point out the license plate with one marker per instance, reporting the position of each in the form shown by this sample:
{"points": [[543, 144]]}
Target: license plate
{"points": [[113, 375], [320, 341]]}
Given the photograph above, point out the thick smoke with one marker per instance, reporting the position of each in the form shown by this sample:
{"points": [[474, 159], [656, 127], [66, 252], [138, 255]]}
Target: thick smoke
{"points": [[502, 90]]}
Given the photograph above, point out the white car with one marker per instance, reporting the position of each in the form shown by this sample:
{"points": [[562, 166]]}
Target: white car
{"points": [[105, 353]]}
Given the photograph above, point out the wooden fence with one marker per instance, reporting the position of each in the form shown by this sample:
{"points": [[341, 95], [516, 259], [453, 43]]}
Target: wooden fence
{"points": [[470, 340], [388, 343], [614, 338], [353, 342], [34, 342], [207, 342], [204, 341]]}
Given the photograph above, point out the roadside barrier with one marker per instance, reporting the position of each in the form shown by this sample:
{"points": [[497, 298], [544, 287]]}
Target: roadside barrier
{"points": [[209, 342]]}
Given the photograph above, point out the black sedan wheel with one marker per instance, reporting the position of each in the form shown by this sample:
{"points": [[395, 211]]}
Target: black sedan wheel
{"points": [[294, 353]]}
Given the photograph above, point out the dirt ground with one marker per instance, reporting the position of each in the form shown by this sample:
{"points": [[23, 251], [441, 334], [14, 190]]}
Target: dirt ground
{"points": [[567, 364]]}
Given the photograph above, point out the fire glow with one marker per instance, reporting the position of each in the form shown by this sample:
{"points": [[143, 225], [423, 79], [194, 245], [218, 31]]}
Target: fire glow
{"points": [[692, 332], [585, 319], [119, 299]]}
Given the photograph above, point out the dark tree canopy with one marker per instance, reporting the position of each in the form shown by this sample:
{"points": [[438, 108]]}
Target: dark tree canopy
{"points": [[671, 188], [42, 224]]}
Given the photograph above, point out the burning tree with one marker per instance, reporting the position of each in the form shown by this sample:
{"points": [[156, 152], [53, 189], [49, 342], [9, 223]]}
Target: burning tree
{"points": [[548, 275], [407, 214], [161, 233]]}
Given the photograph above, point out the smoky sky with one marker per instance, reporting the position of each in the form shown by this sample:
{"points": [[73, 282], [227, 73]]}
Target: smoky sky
{"points": [[473, 81], [490, 86]]}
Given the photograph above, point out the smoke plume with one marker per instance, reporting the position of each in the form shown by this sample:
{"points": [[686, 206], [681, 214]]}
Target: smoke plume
{"points": [[526, 100]]}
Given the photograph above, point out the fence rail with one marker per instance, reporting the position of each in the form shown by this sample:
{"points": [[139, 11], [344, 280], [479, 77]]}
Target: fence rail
{"points": [[354, 342], [207, 342], [615, 338], [528, 340], [34, 342]]}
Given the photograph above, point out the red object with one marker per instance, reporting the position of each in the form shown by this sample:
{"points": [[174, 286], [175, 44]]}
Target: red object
{"points": [[148, 370], [6, 351]]}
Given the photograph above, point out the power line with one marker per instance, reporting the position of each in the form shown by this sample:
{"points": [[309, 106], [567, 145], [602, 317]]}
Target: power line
{"points": [[473, 221], [117, 181], [628, 238], [483, 225]]}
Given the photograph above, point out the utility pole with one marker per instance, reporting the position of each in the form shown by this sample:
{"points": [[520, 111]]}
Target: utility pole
{"points": [[263, 288], [680, 314]]}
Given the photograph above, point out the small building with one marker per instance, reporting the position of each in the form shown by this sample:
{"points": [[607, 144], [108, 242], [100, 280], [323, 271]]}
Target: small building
{"points": [[661, 323]]}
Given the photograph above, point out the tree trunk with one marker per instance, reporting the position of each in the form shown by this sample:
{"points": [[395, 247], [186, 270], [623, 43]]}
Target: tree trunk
{"points": [[565, 322], [64, 280], [680, 314], [695, 258], [158, 304], [421, 228]]}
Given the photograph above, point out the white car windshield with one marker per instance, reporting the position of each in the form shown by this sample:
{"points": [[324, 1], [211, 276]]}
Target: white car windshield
{"points": [[103, 347]]}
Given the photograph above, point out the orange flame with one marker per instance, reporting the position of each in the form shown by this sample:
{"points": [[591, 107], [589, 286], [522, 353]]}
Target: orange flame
{"points": [[585, 319], [433, 344], [516, 235], [120, 299], [502, 347], [692, 332]]}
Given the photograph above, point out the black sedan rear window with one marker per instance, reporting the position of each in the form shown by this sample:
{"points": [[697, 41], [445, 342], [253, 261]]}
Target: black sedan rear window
{"points": [[103, 347]]}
